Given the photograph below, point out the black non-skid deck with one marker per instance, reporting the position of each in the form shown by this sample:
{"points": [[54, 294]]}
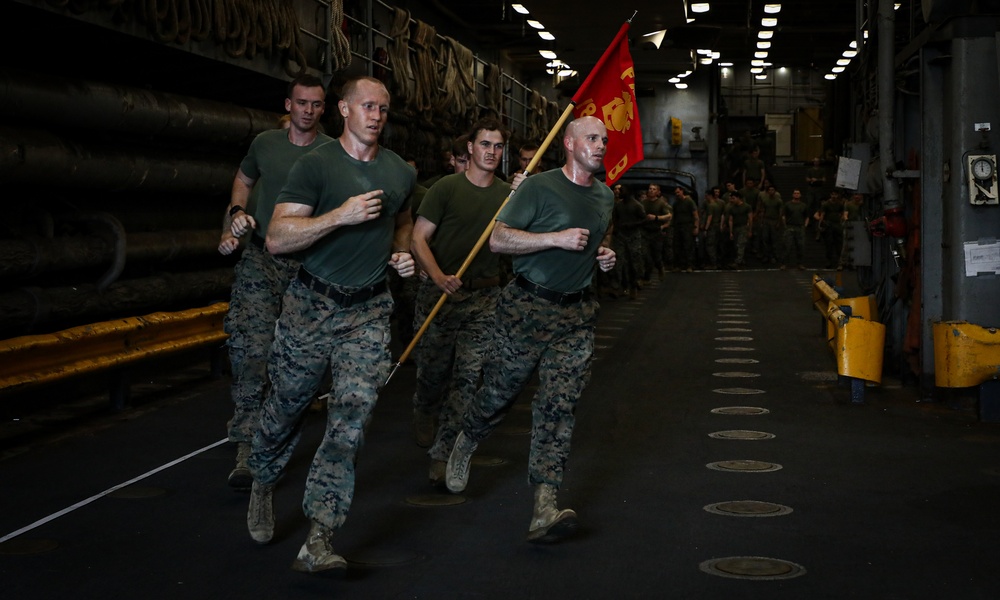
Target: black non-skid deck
{"points": [[893, 498]]}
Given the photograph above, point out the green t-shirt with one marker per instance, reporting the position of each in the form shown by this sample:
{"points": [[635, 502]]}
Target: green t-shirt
{"points": [[267, 162], [352, 256], [684, 210], [658, 207], [771, 205], [795, 213], [549, 202], [853, 211], [714, 210], [740, 214], [750, 196], [461, 212]]}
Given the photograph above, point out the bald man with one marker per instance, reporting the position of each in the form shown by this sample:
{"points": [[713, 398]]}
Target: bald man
{"points": [[556, 226]]}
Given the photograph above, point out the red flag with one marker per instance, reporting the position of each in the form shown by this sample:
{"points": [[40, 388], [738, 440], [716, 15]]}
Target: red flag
{"points": [[608, 93]]}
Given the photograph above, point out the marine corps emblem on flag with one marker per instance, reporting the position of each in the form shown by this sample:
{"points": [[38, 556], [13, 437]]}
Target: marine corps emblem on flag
{"points": [[609, 96]]}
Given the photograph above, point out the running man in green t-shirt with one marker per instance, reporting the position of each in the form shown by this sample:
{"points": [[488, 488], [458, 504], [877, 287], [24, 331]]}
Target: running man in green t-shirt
{"points": [[449, 356], [556, 226], [345, 209]]}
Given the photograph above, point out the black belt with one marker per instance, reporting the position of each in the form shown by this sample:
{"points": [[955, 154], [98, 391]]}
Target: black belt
{"points": [[258, 241], [560, 298], [344, 299]]}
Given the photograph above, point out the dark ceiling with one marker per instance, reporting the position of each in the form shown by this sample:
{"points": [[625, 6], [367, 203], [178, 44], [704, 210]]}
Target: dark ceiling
{"points": [[809, 34]]}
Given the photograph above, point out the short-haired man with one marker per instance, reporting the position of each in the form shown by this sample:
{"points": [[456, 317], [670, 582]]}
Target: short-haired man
{"points": [[345, 209], [524, 155], [556, 226], [261, 278], [449, 356]]}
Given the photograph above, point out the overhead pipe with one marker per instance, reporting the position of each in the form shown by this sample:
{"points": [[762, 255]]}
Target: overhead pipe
{"points": [[69, 103], [41, 157], [35, 256]]}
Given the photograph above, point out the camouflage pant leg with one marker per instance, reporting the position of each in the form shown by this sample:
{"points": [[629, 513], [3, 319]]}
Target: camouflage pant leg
{"points": [[654, 251], [313, 332], [359, 364], [435, 351], [794, 240], [530, 330], [254, 306], [563, 373], [741, 236], [712, 246], [476, 320], [633, 247]]}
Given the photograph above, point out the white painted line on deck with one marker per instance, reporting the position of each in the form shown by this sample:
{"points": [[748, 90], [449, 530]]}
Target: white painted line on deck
{"points": [[83, 503]]}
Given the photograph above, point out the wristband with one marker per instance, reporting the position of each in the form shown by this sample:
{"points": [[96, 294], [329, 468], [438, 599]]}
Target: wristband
{"points": [[236, 209]]}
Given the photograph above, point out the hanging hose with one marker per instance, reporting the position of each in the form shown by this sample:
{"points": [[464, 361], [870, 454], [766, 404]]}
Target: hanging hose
{"points": [[493, 98]]}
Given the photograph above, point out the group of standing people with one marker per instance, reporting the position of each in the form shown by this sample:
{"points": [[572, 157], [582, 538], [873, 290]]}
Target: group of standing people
{"points": [[311, 304]]}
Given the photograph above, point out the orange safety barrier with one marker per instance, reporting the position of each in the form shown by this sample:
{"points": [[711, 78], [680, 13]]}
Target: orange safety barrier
{"points": [[37, 359]]}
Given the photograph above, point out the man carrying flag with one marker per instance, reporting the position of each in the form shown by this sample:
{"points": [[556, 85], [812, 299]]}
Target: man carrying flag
{"points": [[555, 226]]}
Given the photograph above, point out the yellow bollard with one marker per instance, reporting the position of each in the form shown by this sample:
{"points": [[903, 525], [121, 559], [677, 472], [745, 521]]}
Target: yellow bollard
{"points": [[965, 355]]}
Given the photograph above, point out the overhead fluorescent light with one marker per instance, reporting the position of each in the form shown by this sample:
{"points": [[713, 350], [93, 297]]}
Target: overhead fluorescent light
{"points": [[756, 70], [519, 8], [716, 55], [700, 7], [761, 76], [763, 45], [837, 69], [772, 9], [705, 51], [681, 86], [705, 61], [853, 44], [545, 35], [760, 54], [757, 63], [725, 64], [548, 54], [850, 53], [685, 73], [536, 24], [765, 35], [830, 76], [769, 22], [843, 62], [566, 73]]}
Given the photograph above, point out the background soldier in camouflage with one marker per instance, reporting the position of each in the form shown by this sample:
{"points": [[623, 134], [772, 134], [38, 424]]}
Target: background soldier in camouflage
{"points": [[556, 225], [449, 356], [260, 278], [795, 220], [740, 225], [345, 208]]}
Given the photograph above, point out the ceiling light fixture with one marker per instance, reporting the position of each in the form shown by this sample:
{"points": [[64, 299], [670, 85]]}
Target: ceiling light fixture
{"points": [[655, 37], [716, 55], [700, 7], [769, 22], [772, 9], [761, 76], [674, 80], [756, 70], [547, 54], [725, 64], [519, 8], [536, 24], [761, 54], [765, 35], [705, 61], [830, 76], [763, 45], [545, 35], [757, 63], [681, 86], [837, 69], [850, 53], [843, 62]]}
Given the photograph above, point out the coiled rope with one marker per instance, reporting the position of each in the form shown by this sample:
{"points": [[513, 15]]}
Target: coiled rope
{"points": [[340, 46], [457, 80], [425, 69], [403, 80]]}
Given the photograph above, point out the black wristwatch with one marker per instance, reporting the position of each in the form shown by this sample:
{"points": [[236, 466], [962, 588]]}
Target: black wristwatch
{"points": [[236, 209]]}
